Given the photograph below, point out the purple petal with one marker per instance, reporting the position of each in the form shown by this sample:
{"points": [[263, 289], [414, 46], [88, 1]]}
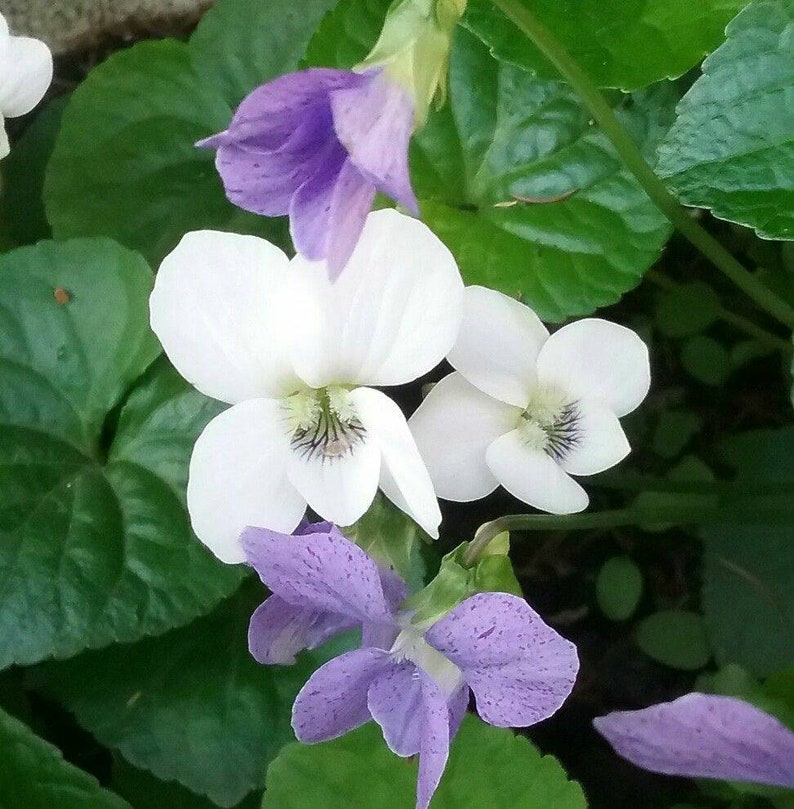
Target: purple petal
{"points": [[334, 700], [279, 630], [519, 669], [436, 736], [374, 123], [395, 701], [704, 736], [324, 571]]}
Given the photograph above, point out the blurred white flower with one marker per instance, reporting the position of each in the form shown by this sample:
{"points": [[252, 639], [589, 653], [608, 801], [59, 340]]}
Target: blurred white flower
{"points": [[25, 75]]}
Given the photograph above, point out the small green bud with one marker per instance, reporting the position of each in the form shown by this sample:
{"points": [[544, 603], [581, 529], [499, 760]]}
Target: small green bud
{"points": [[455, 582], [413, 49]]}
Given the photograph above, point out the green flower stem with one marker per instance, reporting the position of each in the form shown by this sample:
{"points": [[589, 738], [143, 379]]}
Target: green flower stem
{"points": [[545, 42], [742, 323], [677, 514]]}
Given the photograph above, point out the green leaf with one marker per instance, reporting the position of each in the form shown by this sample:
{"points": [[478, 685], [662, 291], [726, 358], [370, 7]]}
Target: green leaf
{"points": [[674, 431], [125, 164], [688, 309], [347, 33], [95, 544], [191, 705], [145, 791], [393, 539], [21, 203], [732, 147], [33, 775], [487, 767], [619, 588], [675, 638], [505, 134], [706, 360], [748, 565], [620, 43]]}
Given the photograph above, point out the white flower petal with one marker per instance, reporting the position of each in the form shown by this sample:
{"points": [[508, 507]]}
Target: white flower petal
{"points": [[596, 358], [403, 476], [338, 489], [600, 441], [532, 476], [4, 146], [25, 75], [453, 427], [238, 478], [391, 316], [216, 308], [498, 345]]}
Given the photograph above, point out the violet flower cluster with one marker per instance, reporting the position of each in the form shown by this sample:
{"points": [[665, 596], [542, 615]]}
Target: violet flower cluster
{"points": [[414, 681]]}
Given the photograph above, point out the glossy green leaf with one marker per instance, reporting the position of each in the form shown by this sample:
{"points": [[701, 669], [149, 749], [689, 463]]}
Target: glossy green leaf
{"points": [[731, 148], [620, 43], [393, 539], [347, 33], [125, 164], [676, 638], [748, 565], [488, 768], [95, 544], [506, 135], [191, 705], [33, 775], [619, 588]]}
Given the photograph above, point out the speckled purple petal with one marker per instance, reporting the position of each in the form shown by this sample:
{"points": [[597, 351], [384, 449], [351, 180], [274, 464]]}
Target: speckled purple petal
{"points": [[374, 122], [334, 700], [704, 736], [519, 668], [279, 630], [380, 635], [324, 571], [396, 703], [434, 747]]}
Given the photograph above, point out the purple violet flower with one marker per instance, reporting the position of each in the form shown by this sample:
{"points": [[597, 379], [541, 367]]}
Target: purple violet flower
{"points": [[414, 681], [704, 736], [317, 144]]}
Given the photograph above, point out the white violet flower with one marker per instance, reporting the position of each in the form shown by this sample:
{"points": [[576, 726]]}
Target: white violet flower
{"points": [[295, 354], [25, 75], [526, 409]]}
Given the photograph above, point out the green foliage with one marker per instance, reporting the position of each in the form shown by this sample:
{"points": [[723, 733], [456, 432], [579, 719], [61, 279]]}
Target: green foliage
{"points": [[673, 432], [619, 588], [488, 768], [731, 148], [676, 638], [747, 594], [96, 545], [393, 539], [191, 705], [33, 775], [347, 33], [456, 581], [687, 309], [706, 360], [620, 43], [505, 134], [21, 206], [125, 164]]}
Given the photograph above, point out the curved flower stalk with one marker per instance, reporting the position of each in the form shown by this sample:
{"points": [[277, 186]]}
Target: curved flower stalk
{"points": [[526, 409], [704, 736], [294, 355], [318, 144], [413, 680], [25, 75]]}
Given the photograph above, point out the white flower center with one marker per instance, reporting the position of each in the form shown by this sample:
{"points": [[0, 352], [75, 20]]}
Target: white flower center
{"points": [[323, 423], [550, 423], [411, 645]]}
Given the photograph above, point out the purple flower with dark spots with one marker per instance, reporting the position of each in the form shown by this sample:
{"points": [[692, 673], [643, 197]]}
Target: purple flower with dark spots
{"points": [[317, 144], [414, 681], [704, 736]]}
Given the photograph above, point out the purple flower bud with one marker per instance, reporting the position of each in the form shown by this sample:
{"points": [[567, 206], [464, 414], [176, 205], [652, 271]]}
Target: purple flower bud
{"points": [[317, 144]]}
